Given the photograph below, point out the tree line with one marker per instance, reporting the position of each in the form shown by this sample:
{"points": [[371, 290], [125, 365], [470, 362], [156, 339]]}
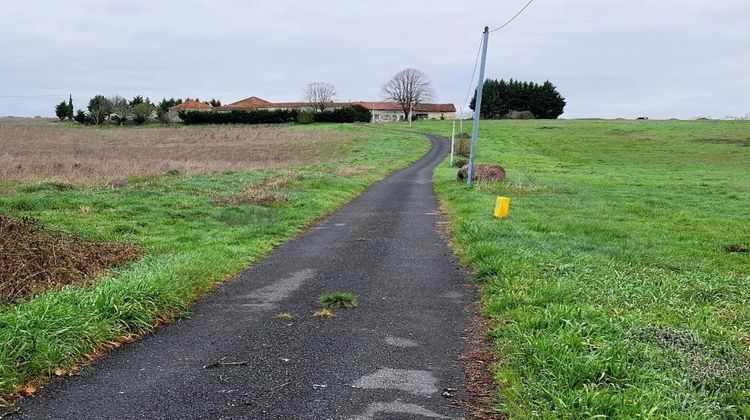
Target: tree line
{"points": [[408, 88], [519, 100], [116, 109]]}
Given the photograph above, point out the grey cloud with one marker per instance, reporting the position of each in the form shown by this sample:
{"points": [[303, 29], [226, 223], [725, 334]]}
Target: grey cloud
{"points": [[666, 58]]}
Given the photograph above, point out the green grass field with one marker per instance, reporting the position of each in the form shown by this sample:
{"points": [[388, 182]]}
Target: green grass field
{"points": [[196, 231], [615, 285]]}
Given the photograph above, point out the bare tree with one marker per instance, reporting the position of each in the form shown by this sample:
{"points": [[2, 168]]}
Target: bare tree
{"points": [[409, 87], [120, 108], [319, 95]]}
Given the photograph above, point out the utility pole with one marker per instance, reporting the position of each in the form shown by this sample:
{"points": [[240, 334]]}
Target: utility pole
{"points": [[478, 105]]}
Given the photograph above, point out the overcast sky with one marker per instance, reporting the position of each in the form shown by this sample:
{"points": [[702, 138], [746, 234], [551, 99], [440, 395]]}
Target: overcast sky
{"points": [[609, 58]]}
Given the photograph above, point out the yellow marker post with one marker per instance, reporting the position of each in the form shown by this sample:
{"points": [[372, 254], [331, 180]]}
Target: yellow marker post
{"points": [[502, 206]]}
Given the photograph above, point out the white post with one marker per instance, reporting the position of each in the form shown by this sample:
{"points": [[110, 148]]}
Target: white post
{"points": [[453, 140]]}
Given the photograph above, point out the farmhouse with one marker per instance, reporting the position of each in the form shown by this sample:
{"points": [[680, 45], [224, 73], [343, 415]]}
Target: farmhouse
{"points": [[391, 111], [189, 105], [381, 111]]}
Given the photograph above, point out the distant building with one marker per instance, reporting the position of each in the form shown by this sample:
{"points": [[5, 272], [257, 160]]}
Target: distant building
{"points": [[189, 105], [391, 111], [382, 111]]}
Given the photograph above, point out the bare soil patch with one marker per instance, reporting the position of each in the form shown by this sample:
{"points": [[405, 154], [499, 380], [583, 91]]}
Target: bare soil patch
{"points": [[33, 150], [480, 378], [738, 142], [34, 259], [735, 249]]}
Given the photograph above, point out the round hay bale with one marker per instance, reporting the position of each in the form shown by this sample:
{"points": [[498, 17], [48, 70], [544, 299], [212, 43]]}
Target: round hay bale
{"points": [[483, 172]]}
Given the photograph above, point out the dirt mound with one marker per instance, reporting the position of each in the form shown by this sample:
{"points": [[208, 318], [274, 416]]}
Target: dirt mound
{"points": [[483, 172], [34, 259]]}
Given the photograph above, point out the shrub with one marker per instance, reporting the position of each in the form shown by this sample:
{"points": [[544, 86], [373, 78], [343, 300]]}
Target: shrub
{"points": [[520, 115], [142, 112], [463, 146], [459, 163], [306, 117], [82, 117]]}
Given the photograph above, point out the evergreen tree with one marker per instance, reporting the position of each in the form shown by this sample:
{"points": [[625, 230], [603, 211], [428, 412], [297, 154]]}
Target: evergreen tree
{"points": [[82, 117], [70, 107], [162, 109], [137, 99], [61, 110], [501, 99]]}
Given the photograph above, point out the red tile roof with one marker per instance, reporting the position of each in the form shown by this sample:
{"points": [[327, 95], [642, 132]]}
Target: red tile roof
{"points": [[191, 104], [257, 103], [251, 102]]}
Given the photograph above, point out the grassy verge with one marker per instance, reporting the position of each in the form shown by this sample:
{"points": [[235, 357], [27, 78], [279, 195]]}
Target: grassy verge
{"points": [[194, 233], [618, 285]]}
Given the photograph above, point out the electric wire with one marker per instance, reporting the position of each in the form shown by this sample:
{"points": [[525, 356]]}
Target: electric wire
{"points": [[514, 17], [32, 96], [473, 72]]}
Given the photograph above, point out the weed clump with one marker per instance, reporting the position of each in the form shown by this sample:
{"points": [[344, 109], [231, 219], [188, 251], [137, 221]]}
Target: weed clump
{"points": [[707, 365], [463, 145], [324, 313], [268, 192], [34, 259], [338, 300]]}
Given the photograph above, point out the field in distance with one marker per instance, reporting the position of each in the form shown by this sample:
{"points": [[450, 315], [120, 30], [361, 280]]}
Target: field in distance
{"points": [[32, 149]]}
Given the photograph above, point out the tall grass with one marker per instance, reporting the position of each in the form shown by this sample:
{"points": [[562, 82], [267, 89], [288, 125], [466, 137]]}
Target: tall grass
{"points": [[32, 150]]}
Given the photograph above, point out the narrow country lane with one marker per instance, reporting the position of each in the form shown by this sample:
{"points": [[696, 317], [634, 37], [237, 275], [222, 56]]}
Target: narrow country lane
{"points": [[395, 356]]}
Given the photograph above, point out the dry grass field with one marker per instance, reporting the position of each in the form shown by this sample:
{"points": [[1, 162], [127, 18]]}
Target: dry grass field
{"points": [[34, 150]]}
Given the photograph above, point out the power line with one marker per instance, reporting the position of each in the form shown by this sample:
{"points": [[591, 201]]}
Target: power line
{"points": [[473, 72], [32, 96], [514, 17]]}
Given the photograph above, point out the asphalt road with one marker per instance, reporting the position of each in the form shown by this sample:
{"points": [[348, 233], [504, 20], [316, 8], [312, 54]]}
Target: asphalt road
{"points": [[393, 357]]}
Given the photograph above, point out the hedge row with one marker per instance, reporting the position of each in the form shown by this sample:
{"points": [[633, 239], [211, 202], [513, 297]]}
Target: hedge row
{"points": [[347, 114], [239, 117]]}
